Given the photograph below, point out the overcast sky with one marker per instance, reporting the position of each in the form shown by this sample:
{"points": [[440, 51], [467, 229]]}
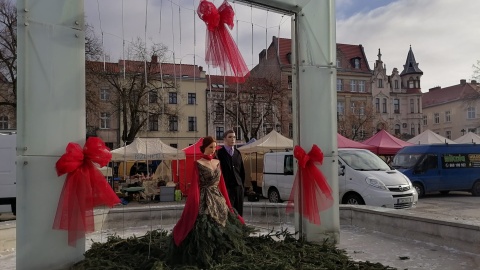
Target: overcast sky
{"points": [[444, 34]]}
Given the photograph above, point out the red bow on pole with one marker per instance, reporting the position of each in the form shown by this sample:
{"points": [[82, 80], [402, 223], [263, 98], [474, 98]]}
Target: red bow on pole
{"points": [[221, 50], [84, 188], [316, 193]]}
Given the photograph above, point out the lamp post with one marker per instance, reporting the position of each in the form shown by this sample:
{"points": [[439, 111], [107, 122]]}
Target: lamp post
{"points": [[463, 131]]}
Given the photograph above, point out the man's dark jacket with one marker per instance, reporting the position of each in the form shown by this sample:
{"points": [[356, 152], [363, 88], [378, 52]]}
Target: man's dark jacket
{"points": [[232, 167]]}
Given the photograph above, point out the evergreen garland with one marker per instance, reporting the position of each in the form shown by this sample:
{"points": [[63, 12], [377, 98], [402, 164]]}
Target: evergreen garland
{"points": [[278, 250]]}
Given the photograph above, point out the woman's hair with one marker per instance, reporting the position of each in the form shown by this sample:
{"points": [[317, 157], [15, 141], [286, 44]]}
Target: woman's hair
{"points": [[206, 142]]}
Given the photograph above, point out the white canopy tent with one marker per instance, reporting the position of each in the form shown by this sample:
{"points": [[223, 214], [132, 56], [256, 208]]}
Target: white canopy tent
{"points": [[429, 137], [469, 137], [147, 148], [271, 141]]}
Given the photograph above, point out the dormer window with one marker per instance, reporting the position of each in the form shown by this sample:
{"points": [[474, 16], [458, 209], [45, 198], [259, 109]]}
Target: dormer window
{"points": [[356, 63], [339, 63]]}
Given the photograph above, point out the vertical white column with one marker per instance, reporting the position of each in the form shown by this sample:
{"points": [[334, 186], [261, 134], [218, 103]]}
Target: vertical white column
{"points": [[314, 74], [51, 113]]}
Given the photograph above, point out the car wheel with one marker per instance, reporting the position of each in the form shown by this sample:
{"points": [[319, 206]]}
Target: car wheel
{"points": [[419, 188], [476, 189], [444, 192], [273, 195], [354, 199]]}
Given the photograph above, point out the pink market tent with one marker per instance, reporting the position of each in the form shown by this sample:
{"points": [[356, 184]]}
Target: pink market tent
{"points": [[347, 143], [181, 169], [386, 144]]}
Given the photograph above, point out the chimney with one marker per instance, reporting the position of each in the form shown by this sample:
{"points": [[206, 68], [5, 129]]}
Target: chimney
{"points": [[154, 59], [463, 81], [202, 72]]}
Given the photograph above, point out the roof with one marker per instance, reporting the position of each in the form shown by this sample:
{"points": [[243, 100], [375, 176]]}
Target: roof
{"points": [[411, 66], [438, 96], [429, 137], [386, 143], [219, 82]]}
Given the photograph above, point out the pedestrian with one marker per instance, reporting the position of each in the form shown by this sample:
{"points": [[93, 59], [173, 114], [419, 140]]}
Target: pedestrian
{"points": [[233, 170]]}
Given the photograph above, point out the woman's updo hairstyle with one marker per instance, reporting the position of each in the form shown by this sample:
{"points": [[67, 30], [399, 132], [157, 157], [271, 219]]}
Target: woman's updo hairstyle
{"points": [[206, 142]]}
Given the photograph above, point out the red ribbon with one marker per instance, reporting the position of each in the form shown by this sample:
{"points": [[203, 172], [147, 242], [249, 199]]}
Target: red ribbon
{"points": [[221, 50], [84, 188], [317, 194]]}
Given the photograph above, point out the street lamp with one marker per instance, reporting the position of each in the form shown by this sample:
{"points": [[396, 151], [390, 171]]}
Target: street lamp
{"points": [[463, 131]]}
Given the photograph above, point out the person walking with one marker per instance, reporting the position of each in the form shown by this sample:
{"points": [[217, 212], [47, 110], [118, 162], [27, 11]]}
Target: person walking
{"points": [[233, 170]]}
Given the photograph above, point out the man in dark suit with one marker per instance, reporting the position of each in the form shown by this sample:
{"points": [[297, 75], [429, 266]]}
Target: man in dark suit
{"points": [[232, 169]]}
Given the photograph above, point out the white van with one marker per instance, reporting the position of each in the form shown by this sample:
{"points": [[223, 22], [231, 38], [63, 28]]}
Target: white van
{"points": [[8, 185], [363, 178]]}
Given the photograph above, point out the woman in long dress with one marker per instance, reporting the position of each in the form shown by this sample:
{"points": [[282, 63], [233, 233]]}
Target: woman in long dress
{"points": [[209, 227]]}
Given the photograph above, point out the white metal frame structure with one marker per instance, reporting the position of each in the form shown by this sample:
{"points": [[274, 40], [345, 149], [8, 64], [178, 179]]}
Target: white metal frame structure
{"points": [[51, 113]]}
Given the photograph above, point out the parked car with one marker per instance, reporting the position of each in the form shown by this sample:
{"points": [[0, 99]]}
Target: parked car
{"points": [[441, 167], [8, 173], [363, 178]]}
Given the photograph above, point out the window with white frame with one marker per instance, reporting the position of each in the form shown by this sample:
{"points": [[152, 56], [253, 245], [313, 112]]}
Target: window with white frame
{"points": [[448, 134], [192, 98], [396, 105], [362, 109], [172, 98], [192, 123], [436, 118], [173, 123], [339, 63], [339, 85], [219, 133], [361, 86], [425, 122], [104, 120], [352, 107], [104, 94], [340, 108], [447, 116], [3, 122], [356, 63], [361, 132], [471, 113], [353, 86]]}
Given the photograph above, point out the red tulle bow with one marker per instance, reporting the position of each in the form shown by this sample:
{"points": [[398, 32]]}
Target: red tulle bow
{"points": [[221, 50], [84, 188], [316, 193]]}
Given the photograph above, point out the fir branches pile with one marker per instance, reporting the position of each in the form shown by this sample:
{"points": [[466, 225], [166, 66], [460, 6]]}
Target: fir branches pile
{"points": [[278, 250]]}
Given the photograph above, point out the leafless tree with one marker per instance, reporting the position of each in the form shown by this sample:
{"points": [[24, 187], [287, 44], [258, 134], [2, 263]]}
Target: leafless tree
{"points": [[8, 55], [139, 87], [355, 124]]}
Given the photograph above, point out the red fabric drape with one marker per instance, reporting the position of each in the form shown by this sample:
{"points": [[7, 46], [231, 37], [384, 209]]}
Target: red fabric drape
{"points": [[317, 194], [190, 212], [221, 50], [85, 187]]}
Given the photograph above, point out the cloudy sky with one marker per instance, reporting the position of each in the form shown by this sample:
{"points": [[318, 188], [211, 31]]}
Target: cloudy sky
{"points": [[444, 34]]}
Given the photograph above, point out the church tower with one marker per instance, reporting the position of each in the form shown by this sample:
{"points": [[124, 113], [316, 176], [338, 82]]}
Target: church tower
{"points": [[411, 74]]}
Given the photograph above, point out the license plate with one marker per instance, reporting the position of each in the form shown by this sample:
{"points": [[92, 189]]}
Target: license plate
{"points": [[404, 200]]}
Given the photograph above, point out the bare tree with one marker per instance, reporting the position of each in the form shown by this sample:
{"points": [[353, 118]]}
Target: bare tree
{"points": [[8, 54], [356, 123], [141, 88]]}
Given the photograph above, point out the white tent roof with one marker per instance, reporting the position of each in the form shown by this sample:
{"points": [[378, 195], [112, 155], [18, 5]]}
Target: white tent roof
{"points": [[271, 141], [468, 138], [429, 137], [147, 148]]}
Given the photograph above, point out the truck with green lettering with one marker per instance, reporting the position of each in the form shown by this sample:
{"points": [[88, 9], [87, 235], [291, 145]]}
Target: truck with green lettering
{"points": [[441, 167]]}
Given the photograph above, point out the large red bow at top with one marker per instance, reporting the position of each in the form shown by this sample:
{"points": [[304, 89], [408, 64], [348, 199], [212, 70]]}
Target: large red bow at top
{"points": [[317, 194], [221, 51], [84, 188]]}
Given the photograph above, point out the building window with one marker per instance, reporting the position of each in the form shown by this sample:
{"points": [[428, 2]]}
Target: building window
{"points": [[396, 84], [352, 107], [448, 134], [173, 123], [192, 123], [153, 123], [218, 111], [104, 120], [436, 118], [412, 106], [377, 105], [419, 128], [425, 120], [412, 129], [3, 122], [174, 145], [290, 130], [362, 109], [411, 84], [339, 63], [447, 116], [289, 82], [104, 94], [339, 85], [397, 129], [471, 113], [192, 98], [353, 86], [361, 86], [219, 133], [340, 108], [153, 96], [290, 106], [380, 83], [419, 106], [396, 105], [356, 63], [172, 98], [384, 105]]}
